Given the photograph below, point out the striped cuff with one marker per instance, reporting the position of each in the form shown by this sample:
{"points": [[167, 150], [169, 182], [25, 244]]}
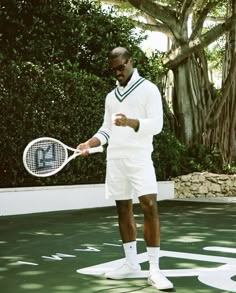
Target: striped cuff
{"points": [[137, 128], [102, 136]]}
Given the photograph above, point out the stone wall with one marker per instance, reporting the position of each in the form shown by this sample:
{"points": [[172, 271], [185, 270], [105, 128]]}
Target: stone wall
{"points": [[204, 185]]}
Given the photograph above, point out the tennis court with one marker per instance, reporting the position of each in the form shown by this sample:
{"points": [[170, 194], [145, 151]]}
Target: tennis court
{"points": [[57, 252]]}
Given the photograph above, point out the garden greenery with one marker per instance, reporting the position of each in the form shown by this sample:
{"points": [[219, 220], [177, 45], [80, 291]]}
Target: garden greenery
{"points": [[53, 82]]}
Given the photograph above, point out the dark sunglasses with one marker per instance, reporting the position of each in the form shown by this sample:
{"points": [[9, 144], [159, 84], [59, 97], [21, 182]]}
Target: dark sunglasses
{"points": [[120, 67]]}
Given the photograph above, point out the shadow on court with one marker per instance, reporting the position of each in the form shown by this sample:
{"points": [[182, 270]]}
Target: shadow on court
{"points": [[42, 252]]}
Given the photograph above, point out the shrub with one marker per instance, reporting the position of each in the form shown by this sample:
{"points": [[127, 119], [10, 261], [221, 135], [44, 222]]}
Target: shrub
{"points": [[53, 82], [53, 64], [50, 102]]}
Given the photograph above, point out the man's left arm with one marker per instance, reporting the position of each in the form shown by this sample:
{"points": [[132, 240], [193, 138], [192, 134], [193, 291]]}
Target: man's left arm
{"points": [[153, 122]]}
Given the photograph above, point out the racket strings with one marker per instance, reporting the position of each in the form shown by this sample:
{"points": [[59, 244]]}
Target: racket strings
{"points": [[44, 157]]}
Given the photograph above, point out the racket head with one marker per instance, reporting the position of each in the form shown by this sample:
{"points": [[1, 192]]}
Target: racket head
{"points": [[45, 156]]}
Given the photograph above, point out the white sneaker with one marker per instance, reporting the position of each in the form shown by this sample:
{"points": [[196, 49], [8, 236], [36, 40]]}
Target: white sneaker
{"points": [[159, 281], [125, 271]]}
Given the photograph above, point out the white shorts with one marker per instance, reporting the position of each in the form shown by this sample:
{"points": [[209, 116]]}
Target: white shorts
{"points": [[129, 178]]}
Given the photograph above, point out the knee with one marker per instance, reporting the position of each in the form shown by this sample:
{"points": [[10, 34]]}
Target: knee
{"points": [[149, 205], [124, 208]]}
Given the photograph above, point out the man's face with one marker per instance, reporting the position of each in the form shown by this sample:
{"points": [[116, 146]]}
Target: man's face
{"points": [[121, 69]]}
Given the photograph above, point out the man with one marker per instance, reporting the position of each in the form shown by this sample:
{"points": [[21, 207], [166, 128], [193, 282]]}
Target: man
{"points": [[133, 114]]}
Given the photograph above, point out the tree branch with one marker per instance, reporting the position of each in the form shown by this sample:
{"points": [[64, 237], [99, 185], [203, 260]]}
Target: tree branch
{"points": [[226, 87], [178, 55], [202, 17], [120, 3], [157, 27], [186, 9], [215, 19], [156, 10]]}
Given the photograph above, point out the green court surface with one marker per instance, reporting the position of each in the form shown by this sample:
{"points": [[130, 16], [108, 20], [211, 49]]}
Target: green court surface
{"points": [[43, 252]]}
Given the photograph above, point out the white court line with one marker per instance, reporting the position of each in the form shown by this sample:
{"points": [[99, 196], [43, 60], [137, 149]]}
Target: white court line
{"points": [[219, 277], [220, 249], [110, 244], [26, 263]]}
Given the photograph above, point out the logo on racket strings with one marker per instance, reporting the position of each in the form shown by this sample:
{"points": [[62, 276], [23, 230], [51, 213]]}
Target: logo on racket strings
{"points": [[45, 157]]}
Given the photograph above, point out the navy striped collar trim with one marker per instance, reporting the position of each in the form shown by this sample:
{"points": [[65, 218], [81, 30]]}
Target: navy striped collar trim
{"points": [[121, 97]]}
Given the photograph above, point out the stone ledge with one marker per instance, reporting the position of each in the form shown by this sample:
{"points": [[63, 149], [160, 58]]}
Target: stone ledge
{"points": [[205, 185]]}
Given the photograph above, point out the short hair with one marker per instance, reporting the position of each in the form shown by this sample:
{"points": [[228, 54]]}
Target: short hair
{"points": [[119, 51]]}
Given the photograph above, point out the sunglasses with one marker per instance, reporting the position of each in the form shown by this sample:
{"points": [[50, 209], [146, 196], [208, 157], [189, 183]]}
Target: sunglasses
{"points": [[120, 67]]}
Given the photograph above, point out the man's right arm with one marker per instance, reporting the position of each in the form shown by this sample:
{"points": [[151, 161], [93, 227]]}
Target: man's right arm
{"points": [[90, 143], [102, 135]]}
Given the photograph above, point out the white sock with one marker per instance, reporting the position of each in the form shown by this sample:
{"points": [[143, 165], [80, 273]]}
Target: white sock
{"points": [[153, 256], [130, 249]]}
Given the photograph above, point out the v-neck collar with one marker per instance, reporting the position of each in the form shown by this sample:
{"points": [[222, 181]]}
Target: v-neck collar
{"points": [[122, 92]]}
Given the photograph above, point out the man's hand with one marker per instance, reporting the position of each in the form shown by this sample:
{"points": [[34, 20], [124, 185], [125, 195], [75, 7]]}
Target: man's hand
{"points": [[83, 148], [120, 119]]}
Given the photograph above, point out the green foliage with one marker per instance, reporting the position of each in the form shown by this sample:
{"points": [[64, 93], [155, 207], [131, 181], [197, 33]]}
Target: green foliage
{"points": [[49, 102], [220, 10], [156, 69], [53, 82], [168, 155], [172, 158], [199, 159], [230, 169], [215, 54], [52, 32]]}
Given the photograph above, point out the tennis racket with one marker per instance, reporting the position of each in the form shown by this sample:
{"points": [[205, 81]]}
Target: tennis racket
{"points": [[46, 156]]}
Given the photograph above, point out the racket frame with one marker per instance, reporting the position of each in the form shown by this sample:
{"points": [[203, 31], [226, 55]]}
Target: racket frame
{"points": [[66, 160]]}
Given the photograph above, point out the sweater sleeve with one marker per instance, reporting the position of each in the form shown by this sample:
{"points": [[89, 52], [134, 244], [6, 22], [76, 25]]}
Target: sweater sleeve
{"points": [[153, 122], [103, 133]]}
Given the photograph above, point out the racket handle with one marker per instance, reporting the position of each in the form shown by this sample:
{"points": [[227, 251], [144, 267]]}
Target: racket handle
{"points": [[98, 149]]}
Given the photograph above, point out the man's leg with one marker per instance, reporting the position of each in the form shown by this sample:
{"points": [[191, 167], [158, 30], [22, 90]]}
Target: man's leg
{"points": [[128, 232], [151, 234], [127, 224], [151, 226], [151, 229]]}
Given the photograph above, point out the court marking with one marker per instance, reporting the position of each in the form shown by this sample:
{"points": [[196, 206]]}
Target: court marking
{"points": [[26, 263], [58, 256], [218, 277], [92, 249]]}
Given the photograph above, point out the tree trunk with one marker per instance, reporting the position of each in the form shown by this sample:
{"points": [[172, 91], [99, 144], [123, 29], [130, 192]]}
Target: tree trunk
{"points": [[182, 104], [192, 88], [201, 118], [224, 132]]}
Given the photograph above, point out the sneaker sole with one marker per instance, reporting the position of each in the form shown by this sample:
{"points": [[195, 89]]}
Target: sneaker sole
{"points": [[150, 282], [132, 275]]}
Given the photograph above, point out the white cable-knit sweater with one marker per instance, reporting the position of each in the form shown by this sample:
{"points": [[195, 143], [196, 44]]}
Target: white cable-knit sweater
{"points": [[139, 99]]}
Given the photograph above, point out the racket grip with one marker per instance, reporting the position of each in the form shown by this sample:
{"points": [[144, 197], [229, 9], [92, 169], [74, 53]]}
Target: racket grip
{"points": [[98, 149]]}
